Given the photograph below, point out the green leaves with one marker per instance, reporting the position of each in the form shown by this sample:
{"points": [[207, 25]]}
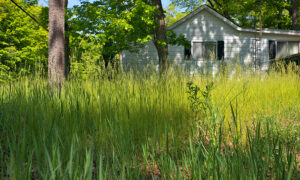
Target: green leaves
{"points": [[23, 44], [119, 25], [245, 13], [173, 14], [199, 104], [180, 40]]}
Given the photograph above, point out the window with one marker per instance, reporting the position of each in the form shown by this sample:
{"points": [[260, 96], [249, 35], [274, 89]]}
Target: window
{"points": [[204, 50], [293, 48], [281, 49], [287, 48]]}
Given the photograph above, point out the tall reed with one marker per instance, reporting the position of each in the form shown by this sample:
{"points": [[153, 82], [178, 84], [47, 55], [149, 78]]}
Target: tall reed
{"points": [[144, 125]]}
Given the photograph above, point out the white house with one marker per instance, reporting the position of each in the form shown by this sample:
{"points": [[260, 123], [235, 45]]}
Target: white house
{"points": [[213, 37]]}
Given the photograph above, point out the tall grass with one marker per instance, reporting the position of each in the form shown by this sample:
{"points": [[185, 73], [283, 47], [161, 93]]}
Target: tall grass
{"points": [[144, 126]]}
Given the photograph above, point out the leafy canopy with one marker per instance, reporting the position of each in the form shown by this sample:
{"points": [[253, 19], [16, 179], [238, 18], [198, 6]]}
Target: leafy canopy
{"points": [[116, 24], [245, 13], [23, 43]]}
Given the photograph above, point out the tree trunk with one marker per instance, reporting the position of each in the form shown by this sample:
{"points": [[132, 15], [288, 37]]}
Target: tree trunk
{"points": [[160, 37], [121, 60], [67, 42], [279, 18], [67, 49], [294, 14], [57, 66], [211, 4]]}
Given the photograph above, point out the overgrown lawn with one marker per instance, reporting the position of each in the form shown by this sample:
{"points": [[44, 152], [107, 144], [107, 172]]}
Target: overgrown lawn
{"points": [[144, 126]]}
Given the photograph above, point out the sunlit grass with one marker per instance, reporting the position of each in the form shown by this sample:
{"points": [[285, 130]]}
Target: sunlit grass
{"points": [[142, 125]]}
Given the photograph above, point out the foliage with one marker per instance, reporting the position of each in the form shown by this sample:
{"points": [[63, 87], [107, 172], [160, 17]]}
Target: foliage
{"points": [[200, 104], [189, 5], [246, 13], [23, 43], [142, 126], [116, 25], [173, 15], [180, 40], [85, 57]]}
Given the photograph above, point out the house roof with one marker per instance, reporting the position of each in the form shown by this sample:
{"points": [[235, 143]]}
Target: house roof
{"points": [[234, 26]]}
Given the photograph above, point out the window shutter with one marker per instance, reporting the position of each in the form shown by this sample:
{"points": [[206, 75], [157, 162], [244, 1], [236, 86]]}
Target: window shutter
{"points": [[272, 49], [187, 53], [220, 50]]}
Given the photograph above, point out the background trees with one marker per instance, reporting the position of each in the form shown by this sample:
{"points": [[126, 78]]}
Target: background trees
{"points": [[23, 43], [100, 30], [173, 14], [275, 13], [116, 25]]}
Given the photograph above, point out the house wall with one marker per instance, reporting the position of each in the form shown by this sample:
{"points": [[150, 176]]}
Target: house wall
{"points": [[206, 27], [239, 46]]}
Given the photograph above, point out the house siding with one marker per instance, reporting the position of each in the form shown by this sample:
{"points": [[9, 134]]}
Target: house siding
{"points": [[204, 27]]}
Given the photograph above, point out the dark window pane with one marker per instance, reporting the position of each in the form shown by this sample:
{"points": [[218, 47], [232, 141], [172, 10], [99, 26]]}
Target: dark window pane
{"points": [[187, 53], [272, 49]]}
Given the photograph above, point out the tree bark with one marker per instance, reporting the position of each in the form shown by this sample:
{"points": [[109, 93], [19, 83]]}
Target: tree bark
{"points": [[67, 42], [160, 37], [67, 49], [121, 60], [279, 17], [211, 4], [57, 66], [294, 14]]}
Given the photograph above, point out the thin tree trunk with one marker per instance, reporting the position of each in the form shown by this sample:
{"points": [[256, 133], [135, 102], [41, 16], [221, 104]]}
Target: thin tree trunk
{"points": [[67, 42], [121, 60], [211, 4], [279, 17], [295, 14], [67, 49], [160, 38], [57, 66]]}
